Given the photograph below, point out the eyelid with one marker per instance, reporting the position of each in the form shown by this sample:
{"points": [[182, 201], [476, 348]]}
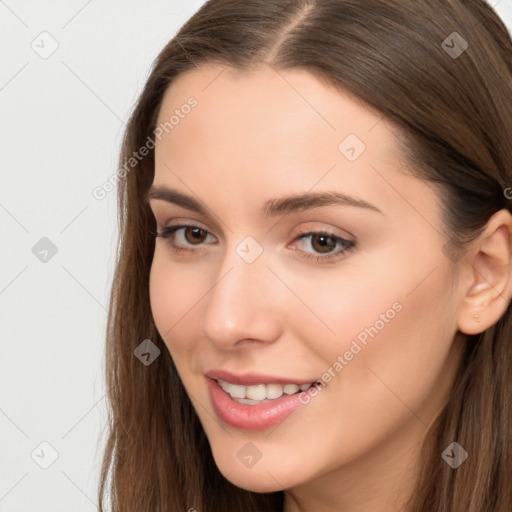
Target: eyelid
{"points": [[160, 210], [184, 223], [320, 227]]}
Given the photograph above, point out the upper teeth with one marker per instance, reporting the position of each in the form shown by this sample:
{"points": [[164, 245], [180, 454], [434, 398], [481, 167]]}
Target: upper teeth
{"points": [[261, 391]]}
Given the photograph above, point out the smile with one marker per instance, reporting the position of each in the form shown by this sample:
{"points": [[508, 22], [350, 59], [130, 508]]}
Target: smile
{"points": [[260, 393], [234, 406]]}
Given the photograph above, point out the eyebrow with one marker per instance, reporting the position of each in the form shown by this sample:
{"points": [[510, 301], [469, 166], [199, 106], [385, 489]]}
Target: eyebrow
{"points": [[272, 207]]}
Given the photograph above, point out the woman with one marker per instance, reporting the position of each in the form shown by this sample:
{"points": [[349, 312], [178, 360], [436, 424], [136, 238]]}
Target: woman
{"points": [[310, 305]]}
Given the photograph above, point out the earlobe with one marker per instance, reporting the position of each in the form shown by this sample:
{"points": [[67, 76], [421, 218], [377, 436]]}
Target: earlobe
{"points": [[490, 270]]}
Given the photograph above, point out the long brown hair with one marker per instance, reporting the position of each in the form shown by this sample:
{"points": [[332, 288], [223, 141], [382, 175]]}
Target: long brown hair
{"points": [[453, 113]]}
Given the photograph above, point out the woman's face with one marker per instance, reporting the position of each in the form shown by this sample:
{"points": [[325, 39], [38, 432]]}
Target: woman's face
{"points": [[348, 286]]}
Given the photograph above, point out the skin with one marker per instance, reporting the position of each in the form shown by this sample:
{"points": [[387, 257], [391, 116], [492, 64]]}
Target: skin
{"points": [[266, 134]]}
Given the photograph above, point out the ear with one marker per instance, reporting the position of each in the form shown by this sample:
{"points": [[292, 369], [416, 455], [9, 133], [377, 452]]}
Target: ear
{"points": [[489, 267]]}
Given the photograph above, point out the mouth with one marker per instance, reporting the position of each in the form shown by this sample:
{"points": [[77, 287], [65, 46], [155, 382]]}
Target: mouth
{"points": [[257, 394], [253, 406]]}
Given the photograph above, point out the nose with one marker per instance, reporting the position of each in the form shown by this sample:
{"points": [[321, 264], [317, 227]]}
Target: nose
{"points": [[242, 306]]}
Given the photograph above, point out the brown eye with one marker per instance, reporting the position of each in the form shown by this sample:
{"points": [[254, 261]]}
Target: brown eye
{"points": [[184, 237], [194, 235], [325, 246], [323, 243]]}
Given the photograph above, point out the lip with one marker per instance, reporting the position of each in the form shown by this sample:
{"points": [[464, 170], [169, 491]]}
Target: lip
{"points": [[253, 417], [251, 379]]}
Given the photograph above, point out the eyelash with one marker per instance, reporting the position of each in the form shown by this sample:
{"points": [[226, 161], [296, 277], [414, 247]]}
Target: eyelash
{"points": [[347, 245]]}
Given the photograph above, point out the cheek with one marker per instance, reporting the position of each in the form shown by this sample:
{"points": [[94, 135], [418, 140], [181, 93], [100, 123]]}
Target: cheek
{"points": [[395, 346], [341, 310], [173, 292], [397, 311]]}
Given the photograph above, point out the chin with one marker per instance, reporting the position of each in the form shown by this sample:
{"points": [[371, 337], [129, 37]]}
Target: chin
{"points": [[263, 477], [254, 482]]}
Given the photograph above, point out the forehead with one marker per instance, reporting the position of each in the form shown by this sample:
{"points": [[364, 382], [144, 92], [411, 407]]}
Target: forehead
{"points": [[267, 98], [267, 117], [267, 132]]}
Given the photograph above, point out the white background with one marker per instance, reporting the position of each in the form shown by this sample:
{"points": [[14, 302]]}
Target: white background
{"points": [[61, 126]]}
